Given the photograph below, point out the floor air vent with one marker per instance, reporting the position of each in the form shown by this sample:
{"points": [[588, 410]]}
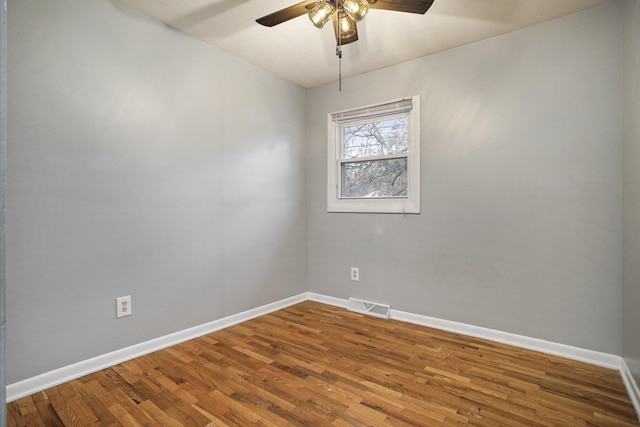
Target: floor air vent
{"points": [[367, 307]]}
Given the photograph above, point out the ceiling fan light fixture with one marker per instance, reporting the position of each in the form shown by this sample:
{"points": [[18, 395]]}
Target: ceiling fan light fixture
{"points": [[321, 13], [344, 26], [356, 9]]}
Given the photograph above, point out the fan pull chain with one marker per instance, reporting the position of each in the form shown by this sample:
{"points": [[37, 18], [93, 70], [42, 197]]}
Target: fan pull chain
{"points": [[339, 54]]}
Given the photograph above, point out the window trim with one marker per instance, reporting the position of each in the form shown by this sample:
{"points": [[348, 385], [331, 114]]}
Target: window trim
{"points": [[403, 205]]}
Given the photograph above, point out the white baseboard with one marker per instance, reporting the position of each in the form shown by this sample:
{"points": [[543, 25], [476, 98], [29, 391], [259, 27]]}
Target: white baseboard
{"points": [[337, 302], [49, 379], [631, 385], [67, 373]]}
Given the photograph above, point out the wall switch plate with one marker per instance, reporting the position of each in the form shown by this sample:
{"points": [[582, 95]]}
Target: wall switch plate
{"points": [[123, 306], [355, 274]]}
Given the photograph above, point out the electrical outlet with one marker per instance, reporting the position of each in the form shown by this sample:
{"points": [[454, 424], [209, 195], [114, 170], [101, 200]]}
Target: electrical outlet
{"points": [[123, 306], [355, 274]]}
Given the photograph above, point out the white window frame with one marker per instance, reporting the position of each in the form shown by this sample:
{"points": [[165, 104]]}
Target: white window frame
{"points": [[403, 205]]}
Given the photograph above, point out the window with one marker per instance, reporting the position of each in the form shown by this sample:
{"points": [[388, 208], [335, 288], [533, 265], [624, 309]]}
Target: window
{"points": [[374, 158]]}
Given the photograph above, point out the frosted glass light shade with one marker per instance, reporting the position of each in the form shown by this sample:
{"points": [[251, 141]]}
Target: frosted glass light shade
{"points": [[356, 9], [320, 14], [344, 26]]}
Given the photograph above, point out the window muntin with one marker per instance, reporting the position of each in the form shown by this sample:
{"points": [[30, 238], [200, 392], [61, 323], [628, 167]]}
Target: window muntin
{"points": [[374, 158]]}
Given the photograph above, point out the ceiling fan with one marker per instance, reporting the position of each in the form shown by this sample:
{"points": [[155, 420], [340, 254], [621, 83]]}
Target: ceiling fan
{"points": [[343, 13]]}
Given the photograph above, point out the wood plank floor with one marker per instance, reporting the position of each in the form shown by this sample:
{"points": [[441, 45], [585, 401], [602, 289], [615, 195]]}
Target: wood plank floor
{"points": [[318, 365]]}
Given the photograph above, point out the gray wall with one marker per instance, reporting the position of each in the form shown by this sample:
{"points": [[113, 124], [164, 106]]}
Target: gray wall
{"points": [[631, 186], [520, 227], [142, 162]]}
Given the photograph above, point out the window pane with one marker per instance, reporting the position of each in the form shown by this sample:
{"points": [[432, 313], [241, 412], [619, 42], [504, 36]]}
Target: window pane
{"points": [[377, 138], [377, 178]]}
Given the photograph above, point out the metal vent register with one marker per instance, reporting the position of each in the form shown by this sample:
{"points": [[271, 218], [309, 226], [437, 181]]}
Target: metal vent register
{"points": [[368, 307]]}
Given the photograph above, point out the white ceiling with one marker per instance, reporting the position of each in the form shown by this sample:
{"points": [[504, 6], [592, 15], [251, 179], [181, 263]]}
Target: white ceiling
{"points": [[304, 54]]}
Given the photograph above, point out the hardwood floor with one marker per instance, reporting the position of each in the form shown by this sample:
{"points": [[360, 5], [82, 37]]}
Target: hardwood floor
{"points": [[318, 365]]}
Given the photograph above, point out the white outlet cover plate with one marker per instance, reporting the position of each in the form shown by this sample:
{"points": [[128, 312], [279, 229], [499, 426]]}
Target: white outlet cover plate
{"points": [[123, 306]]}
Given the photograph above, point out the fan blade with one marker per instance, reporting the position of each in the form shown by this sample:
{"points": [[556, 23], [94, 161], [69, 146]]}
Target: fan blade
{"points": [[287, 13], [411, 6]]}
